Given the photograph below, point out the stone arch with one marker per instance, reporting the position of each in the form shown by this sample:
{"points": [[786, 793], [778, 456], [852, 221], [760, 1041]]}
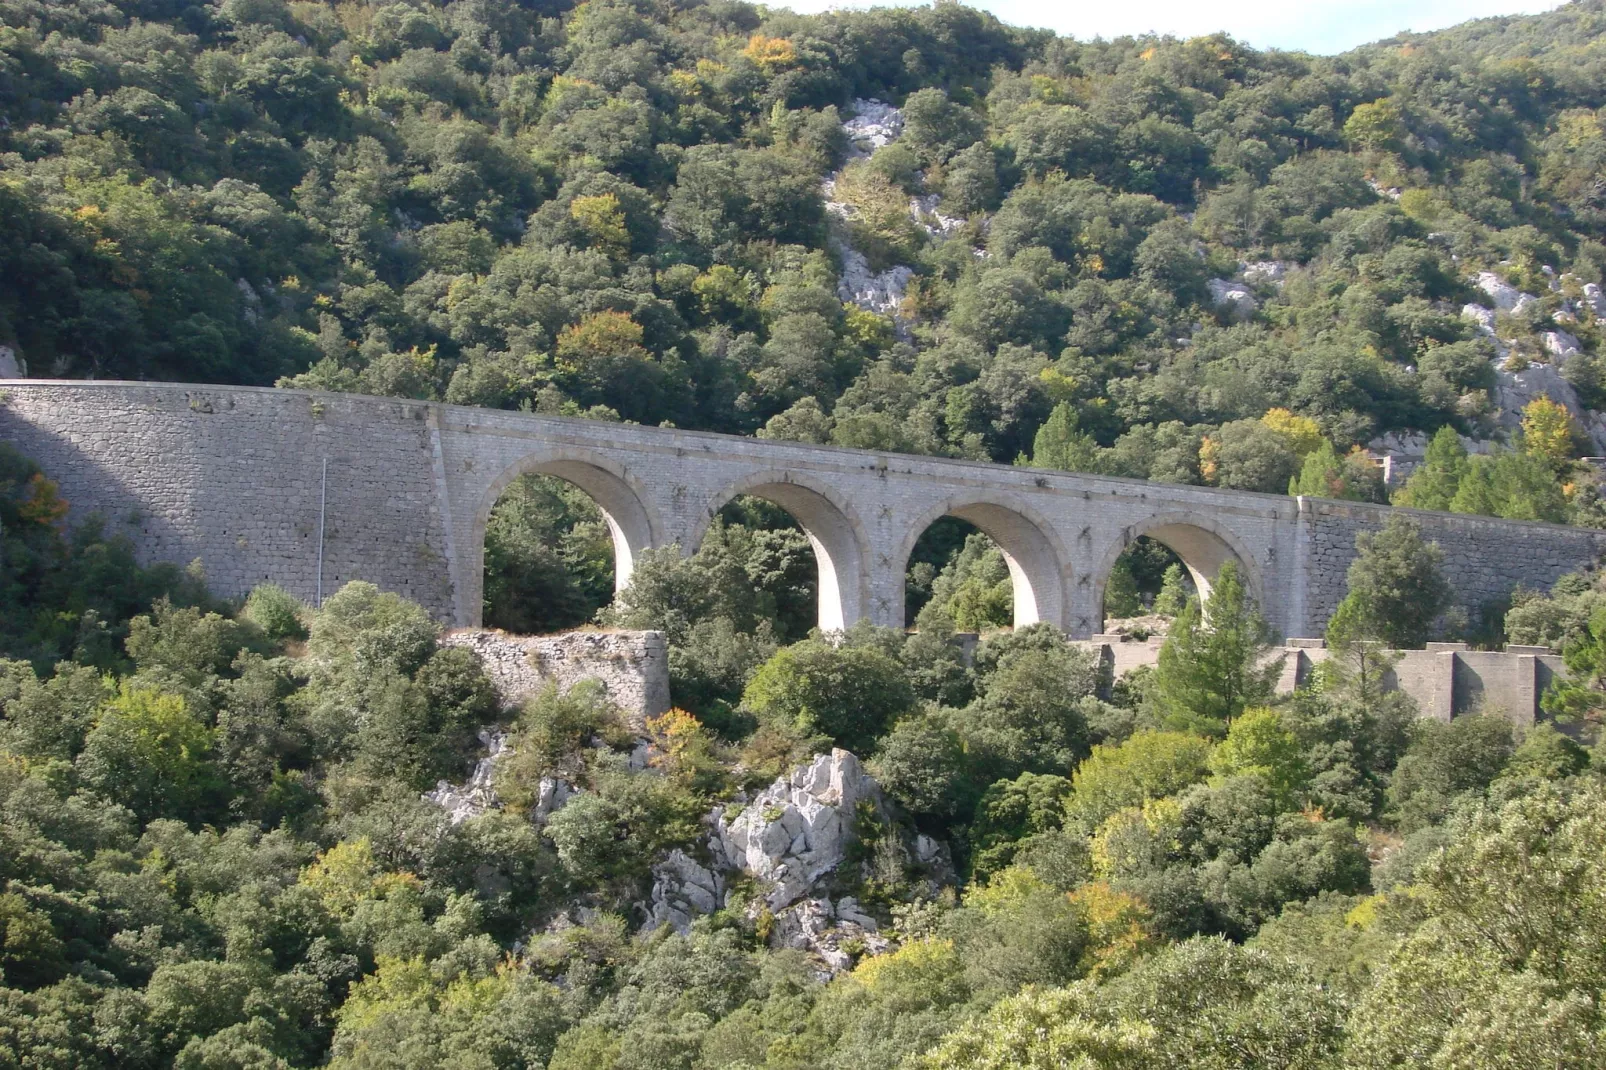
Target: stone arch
{"points": [[623, 501], [1203, 544], [833, 530], [1038, 562]]}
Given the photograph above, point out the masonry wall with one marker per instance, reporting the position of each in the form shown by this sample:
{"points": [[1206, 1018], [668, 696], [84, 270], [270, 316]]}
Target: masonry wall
{"points": [[632, 666], [1484, 558], [235, 479], [1447, 680]]}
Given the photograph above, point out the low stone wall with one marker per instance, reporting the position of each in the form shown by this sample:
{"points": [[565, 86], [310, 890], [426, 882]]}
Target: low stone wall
{"points": [[633, 666], [1447, 680]]}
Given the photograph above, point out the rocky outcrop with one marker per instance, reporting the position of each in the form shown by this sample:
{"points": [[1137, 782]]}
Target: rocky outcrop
{"points": [[1503, 295], [797, 830], [873, 124], [831, 932], [682, 889], [477, 795], [1232, 298]]}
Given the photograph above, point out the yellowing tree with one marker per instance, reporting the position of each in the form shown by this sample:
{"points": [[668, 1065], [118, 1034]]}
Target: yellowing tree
{"points": [[603, 222], [1547, 431], [1303, 434], [770, 54]]}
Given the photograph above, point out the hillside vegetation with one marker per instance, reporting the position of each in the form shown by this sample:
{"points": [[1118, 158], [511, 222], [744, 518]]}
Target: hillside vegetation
{"points": [[616, 208], [218, 849]]}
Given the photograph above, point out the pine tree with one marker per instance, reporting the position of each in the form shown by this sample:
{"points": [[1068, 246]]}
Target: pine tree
{"points": [[1435, 483], [1060, 443], [1173, 594], [1396, 589], [1214, 662]]}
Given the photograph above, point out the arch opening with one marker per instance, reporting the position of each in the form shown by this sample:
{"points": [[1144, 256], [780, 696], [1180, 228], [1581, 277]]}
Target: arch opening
{"points": [[833, 537], [560, 539], [985, 565], [1199, 550], [779, 560], [1148, 581]]}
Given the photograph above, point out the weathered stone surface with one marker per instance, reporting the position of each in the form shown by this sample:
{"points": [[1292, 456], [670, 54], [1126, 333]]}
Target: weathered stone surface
{"points": [[1506, 297], [1264, 272], [797, 830], [682, 889], [1233, 298], [477, 795], [873, 124], [633, 666], [825, 931], [10, 364]]}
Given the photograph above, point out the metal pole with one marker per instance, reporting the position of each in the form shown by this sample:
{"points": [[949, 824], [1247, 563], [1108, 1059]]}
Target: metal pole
{"points": [[323, 498]]}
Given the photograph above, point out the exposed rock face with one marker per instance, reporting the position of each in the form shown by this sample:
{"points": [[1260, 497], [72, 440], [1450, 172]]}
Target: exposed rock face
{"points": [[881, 292], [1506, 297], [681, 890], [797, 829], [874, 123], [1560, 345], [1402, 452], [1264, 273], [478, 794], [10, 364], [633, 666], [1233, 298], [824, 929]]}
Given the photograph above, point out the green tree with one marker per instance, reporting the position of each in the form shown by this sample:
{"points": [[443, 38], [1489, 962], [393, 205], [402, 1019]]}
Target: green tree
{"points": [[849, 693], [150, 752], [1436, 481], [1396, 588], [1215, 659], [1060, 443]]}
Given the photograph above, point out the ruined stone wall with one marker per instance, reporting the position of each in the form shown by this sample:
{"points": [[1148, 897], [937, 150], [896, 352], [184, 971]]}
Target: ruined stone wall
{"points": [[1446, 680], [633, 666]]}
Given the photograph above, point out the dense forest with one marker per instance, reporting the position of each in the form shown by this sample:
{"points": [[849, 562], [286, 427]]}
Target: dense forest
{"points": [[218, 850], [222, 841]]}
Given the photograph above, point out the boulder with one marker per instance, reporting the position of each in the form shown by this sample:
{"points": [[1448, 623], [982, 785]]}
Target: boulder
{"points": [[1559, 344], [826, 931], [1506, 297], [1233, 298], [1264, 272]]}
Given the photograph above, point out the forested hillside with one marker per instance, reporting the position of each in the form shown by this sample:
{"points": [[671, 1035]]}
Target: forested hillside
{"points": [[224, 840], [617, 208], [219, 849]]}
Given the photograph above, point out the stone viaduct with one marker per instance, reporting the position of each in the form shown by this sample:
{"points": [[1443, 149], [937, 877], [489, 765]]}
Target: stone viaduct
{"points": [[310, 490]]}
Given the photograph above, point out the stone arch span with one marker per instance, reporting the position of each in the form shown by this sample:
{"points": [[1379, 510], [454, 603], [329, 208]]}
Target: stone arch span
{"points": [[624, 504], [1038, 563], [1203, 544], [833, 530]]}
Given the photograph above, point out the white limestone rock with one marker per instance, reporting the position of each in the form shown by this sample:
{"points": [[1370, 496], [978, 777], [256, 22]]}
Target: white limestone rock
{"points": [[1232, 298], [551, 795], [1269, 273], [1482, 318], [477, 795], [1560, 344], [1506, 297], [683, 889], [1595, 300], [824, 931], [797, 830], [874, 124], [926, 211], [879, 292]]}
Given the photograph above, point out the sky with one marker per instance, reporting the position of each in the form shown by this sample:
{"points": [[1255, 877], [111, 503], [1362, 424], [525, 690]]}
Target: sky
{"points": [[1324, 27]]}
